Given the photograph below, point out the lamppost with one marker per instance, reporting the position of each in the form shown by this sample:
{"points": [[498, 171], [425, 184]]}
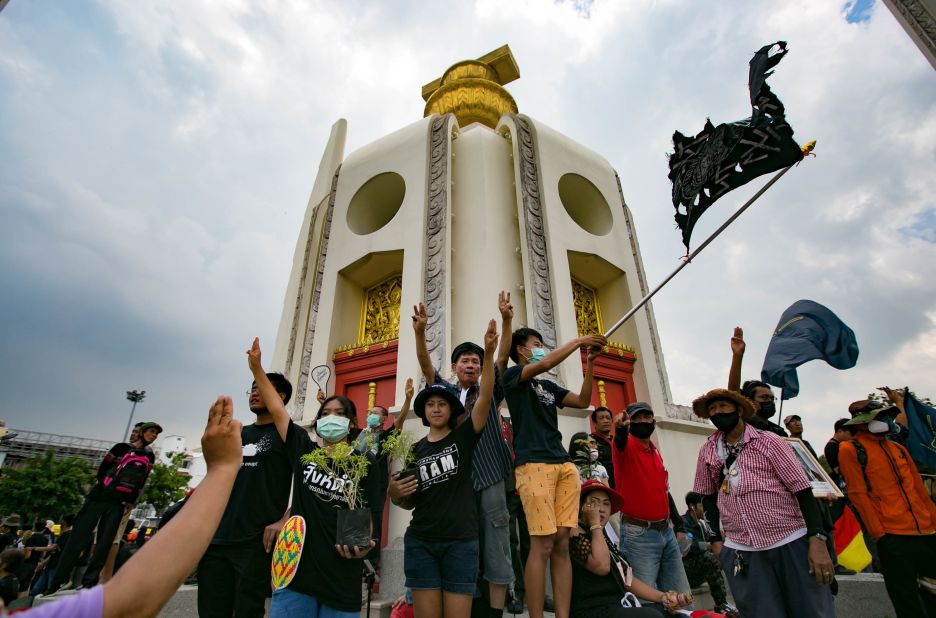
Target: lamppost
{"points": [[136, 397]]}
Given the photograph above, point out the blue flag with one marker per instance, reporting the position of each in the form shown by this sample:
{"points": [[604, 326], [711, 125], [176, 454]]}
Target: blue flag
{"points": [[922, 439], [807, 331]]}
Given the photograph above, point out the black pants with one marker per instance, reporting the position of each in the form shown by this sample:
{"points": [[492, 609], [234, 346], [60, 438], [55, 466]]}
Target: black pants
{"points": [[106, 517], [704, 567], [777, 583], [903, 560], [234, 580], [519, 541]]}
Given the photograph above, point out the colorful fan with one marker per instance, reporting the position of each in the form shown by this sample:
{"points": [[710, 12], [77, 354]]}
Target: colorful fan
{"points": [[288, 551]]}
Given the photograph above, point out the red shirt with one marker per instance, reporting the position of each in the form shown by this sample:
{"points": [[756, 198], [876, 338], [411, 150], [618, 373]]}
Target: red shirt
{"points": [[640, 478]]}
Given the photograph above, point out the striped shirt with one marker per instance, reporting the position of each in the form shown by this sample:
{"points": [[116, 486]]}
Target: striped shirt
{"points": [[493, 458], [755, 499]]}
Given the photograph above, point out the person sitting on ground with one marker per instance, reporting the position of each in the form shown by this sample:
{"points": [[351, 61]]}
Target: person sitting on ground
{"points": [[10, 562], [601, 576], [758, 392], [35, 546], [583, 449], [148, 580], [701, 564], [50, 561], [548, 483], [441, 548]]}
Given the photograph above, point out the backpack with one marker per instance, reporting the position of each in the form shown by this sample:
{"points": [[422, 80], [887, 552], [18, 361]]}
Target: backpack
{"points": [[128, 477]]}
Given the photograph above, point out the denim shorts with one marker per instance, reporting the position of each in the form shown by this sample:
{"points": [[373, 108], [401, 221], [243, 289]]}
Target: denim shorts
{"points": [[495, 534], [451, 566], [288, 602]]}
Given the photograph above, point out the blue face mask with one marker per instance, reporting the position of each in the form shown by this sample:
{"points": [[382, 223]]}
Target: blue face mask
{"points": [[374, 421], [333, 428], [537, 354]]}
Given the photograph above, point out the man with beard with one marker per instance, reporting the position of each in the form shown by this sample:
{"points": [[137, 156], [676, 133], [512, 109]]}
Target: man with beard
{"points": [[648, 539], [234, 573], [754, 489], [120, 478], [755, 390]]}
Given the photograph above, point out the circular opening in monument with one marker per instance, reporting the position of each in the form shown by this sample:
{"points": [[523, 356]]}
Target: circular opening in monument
{"points": [[585, 204], [375, 203]]}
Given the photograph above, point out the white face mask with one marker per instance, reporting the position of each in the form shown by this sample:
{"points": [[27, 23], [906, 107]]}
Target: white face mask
{"points": [[878, 427]]}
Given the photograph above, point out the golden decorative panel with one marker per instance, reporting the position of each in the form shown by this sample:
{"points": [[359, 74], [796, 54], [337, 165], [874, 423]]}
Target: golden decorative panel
{"points": [[380, 313], [587, 309]]}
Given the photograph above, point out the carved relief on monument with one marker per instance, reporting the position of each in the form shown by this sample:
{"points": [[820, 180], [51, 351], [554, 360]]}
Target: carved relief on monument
{"points": [[587, 308], [380, 313]]}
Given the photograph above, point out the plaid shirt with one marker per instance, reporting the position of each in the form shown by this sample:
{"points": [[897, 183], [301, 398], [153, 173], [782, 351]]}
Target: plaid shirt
{"points": [[759, 508]]}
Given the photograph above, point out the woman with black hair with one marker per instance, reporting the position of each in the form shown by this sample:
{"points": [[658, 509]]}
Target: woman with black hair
{"points": [[441, 551], [315, 576]]}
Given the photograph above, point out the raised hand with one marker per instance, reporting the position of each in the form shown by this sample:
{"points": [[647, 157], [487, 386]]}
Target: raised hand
{"points": [[504, 306], [420, 318], [621, 420], [737, 341], [490, 337], [253, 355], [408, 389], [221, 442]]}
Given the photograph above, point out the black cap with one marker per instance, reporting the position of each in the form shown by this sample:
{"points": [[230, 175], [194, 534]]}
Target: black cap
{"points": [[419, 405], [637, 408], [467, 347]]}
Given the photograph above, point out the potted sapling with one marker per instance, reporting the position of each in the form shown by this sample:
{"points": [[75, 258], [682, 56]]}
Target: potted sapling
{"points": [[398, 448], [349, 468]]}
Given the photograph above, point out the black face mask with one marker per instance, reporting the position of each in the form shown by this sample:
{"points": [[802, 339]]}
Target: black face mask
{"points": [[642, 430], [767, 409], [725, 422]]}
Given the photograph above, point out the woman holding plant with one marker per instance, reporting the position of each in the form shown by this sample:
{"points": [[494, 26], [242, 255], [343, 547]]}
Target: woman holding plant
{"points": [[441, 544], [314, 574]]}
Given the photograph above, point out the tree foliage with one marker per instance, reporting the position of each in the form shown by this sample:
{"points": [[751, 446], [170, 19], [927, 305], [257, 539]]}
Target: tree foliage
{"points": [[165, 485], [45, 487]]}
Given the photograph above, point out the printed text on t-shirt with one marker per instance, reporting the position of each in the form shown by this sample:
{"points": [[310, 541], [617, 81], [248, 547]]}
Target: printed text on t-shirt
{"points": [[438, 467]]}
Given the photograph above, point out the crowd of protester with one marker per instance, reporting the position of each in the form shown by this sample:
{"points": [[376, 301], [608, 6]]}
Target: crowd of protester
{"points": [[495, 499]]}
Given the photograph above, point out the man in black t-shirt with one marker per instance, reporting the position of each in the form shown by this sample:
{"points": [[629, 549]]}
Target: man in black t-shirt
{"points": [[38, 540], [234, 573], [118, 483]]}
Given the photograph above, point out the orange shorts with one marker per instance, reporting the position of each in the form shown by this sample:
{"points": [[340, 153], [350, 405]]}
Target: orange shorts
{"points": [[550, 496]]}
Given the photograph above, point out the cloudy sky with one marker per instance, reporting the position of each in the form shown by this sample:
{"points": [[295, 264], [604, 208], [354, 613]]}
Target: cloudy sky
{"points": [[157, 159]]}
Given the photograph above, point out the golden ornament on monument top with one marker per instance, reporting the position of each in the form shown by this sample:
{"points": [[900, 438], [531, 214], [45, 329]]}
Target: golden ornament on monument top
{"points": [[473, 89]]}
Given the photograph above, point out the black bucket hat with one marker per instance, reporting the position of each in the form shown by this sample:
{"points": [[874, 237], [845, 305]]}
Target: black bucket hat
{"points": [[455, 404]]}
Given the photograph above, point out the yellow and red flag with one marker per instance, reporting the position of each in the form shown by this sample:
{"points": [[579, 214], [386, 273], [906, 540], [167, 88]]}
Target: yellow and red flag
{"points": [[849, 542]]}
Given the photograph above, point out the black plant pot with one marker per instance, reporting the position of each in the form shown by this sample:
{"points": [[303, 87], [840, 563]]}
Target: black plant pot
{"points": [[409, 472], [354, 528]]}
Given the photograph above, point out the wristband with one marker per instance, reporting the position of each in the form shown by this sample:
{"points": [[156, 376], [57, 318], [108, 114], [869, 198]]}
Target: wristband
{"points": [[594, 527]]}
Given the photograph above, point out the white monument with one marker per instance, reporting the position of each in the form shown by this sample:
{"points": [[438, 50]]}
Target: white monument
{"points": [[471, 199]]}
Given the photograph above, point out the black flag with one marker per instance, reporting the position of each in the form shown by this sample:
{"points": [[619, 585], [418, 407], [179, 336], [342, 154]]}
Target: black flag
{"points": [[705, 167]]}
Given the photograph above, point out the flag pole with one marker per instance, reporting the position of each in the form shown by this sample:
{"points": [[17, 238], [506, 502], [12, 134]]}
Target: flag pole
{"points": [[686, 260]]}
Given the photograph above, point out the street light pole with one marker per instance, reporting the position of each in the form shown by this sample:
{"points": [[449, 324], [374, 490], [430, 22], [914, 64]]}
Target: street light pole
{"points": [[136, 397]]}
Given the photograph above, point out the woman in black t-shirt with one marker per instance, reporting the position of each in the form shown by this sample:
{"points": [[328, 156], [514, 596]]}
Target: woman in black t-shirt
{"points": [[601, 576], [440, 556], [323, 579]]}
